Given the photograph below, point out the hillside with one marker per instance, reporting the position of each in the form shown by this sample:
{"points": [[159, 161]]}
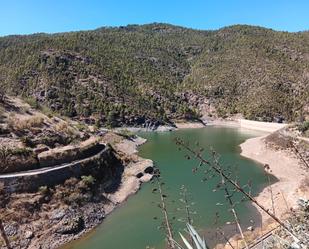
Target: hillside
{"points": [[60, 178], [158, 73], [260, 73]]}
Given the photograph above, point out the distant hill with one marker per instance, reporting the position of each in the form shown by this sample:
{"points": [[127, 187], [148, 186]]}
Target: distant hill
{"points": [[157, 73]]}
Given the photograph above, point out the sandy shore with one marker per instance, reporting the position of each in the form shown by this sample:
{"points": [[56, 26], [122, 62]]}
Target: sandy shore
{"points": [[292, 183], [260, 126], [248, 124], [189, 125], [289, 171], [223, 122]]}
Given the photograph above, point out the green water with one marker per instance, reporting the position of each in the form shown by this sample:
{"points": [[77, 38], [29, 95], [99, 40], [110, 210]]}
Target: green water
{"points": [[132, 226]]}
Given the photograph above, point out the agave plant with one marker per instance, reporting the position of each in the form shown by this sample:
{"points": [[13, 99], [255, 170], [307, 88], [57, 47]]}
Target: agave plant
{"points": [[198, 242]]}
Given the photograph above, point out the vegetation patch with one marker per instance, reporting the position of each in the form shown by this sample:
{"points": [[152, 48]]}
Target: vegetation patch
{"points": [[151, 74]]}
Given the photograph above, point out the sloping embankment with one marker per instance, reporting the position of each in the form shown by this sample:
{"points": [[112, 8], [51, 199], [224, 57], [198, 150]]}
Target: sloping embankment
{"points": [[285, 167], [260, 126]]}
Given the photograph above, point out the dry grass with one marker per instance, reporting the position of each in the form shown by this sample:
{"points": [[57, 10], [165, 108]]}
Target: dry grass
{"points": [[19, 124], [304, 185], [66, 128]]}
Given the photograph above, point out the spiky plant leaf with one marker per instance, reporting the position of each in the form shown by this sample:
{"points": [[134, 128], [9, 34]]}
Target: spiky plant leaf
{"points": [[186, 242], [198, 241]]}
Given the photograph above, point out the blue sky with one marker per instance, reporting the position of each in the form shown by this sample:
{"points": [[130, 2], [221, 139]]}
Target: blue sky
{"points": [[32, 16]]}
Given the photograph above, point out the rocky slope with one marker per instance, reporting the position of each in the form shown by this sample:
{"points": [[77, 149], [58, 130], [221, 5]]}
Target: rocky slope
{"points": [[96, 171], [25, 133]]}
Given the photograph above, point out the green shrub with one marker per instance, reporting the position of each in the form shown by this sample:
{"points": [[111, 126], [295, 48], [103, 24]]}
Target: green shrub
{"points": [[27, 141], [6, 151], [304, 127], [32, 102], [81, 127], [161, 70], [44, 190], [88, 180], [47, 111]]}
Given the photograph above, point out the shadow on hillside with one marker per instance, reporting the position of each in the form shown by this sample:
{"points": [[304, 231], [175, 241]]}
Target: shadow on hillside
{"points": [[115, 181]]}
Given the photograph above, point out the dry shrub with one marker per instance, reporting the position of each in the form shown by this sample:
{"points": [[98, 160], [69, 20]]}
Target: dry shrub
{"points": [[2, 111], [66, 128], [279, 141], [304, 187], [18, 124], [2, 189]]}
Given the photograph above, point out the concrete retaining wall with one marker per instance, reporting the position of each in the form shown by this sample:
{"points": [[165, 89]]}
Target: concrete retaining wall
{"points": [[68, 154], [103, 166]]}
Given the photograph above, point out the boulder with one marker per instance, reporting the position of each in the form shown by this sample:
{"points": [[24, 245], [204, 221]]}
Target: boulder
{"points": [[29, 234], [250, 228], [57, 214], [139, 175], [149, 170], [11, 229]]}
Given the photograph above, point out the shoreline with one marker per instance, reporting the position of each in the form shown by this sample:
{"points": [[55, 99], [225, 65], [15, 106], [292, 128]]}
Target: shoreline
{"points": [[130, 185], [186, 125], [267, 127], [292, 184], [289, 171]]}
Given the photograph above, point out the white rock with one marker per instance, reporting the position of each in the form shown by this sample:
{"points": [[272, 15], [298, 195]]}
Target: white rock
{"points": [[29, 234], [250, 228]]}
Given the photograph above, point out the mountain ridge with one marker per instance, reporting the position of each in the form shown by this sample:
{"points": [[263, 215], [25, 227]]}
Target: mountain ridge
{"points": [[152, 24], [156, 73]]}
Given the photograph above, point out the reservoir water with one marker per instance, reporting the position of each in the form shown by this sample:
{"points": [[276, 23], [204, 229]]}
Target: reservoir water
{"points": [[135, 225]]}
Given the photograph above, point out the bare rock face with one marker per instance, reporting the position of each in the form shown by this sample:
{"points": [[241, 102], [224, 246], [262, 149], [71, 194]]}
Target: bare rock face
{"points": [[197, 101]]}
